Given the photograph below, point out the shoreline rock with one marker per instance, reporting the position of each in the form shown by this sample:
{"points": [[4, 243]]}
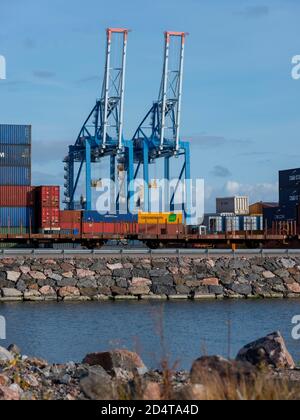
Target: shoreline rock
{"points": [[87, 279], [122, 375]]}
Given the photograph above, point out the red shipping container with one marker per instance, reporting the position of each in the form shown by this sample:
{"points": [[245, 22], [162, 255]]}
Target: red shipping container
{"points": [[17, 196], [49, 196], [110, 228], [70, 226], [155, 229], [49, 218], [70, 216]]}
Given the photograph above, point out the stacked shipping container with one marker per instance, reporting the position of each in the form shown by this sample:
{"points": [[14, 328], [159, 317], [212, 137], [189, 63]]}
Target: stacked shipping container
{"points": [[289, 198], [70, 222], [48, 207], [16, 194]]}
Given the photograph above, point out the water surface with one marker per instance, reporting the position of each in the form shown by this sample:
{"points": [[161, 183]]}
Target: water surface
{"points": [[60, 332]]}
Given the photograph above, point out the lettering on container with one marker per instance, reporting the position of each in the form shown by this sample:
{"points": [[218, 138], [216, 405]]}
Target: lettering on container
{"points": [[2, 68], [296, 67]]}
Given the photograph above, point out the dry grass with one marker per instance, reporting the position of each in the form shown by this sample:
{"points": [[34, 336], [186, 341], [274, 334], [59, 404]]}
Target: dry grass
{"points": [[261, 388]]}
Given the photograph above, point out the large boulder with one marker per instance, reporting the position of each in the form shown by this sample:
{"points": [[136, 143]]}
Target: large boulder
{"points": [[216, 368], [268, 351], [122, 364], [98, 385]]}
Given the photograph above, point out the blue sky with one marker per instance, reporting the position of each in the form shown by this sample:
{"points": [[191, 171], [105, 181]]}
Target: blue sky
{"points": [[240, 104]]}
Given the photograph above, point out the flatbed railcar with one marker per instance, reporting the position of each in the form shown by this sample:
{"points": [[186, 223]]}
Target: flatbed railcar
{"points": [[161, 238]]}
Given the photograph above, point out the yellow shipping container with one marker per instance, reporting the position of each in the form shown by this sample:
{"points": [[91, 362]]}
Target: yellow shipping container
{"points": [[160, 218]]}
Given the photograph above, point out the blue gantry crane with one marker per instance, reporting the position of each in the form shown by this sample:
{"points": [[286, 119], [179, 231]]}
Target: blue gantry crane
{"points": [[158, 135], [101, 135]]}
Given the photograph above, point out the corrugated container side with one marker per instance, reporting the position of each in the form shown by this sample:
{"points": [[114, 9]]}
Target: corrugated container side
{"points": [[257, 208], [15, 175], [70, 216], [15, 134], [16, 217], [49, 196], [49, 218], [17, 196], [160, 218], [214, 224], [65, 226], [116, 228], [239, 205], [14, 230], [289, 178], [160, 229], [94, 216], [15, 155], [283, 214], [232, 224], [250, 223], [289, 196]]}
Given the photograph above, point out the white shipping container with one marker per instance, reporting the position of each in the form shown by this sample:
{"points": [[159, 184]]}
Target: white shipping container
{"points": [[214, 224], [239, 205], [232, 224]]}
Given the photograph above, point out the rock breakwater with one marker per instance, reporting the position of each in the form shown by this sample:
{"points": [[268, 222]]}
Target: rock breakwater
{"points": [[105, 278]]}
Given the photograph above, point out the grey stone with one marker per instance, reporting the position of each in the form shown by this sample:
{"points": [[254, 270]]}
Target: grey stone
{"points": [[98, 385], [87, 283], [217, 290], [161, 289], [89, 291], [123, 272], [282, 273], [13, 276], [122, 282], [166, 280], [182, 290], [5, 355], [56, 277], [159, 273], [21, 286], [115, 290], [11, 293], [64, 282], [138, 272], [241, 289], [287, 263], [105, 281]]}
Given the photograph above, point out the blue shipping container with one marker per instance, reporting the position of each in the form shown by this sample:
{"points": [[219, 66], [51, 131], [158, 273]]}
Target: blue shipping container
{"points": [[15, 175], [16, 217], [15, 134], [279, 214], [94, 216], [15, 155]]}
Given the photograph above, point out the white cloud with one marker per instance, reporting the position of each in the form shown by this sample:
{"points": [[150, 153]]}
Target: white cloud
{"points": [[232, 187], [256, 192]]}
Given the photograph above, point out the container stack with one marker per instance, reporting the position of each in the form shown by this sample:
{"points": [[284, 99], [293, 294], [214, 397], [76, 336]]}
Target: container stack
{"points": [[16, 193], [237, 205], [216, 223], [48, 208], [289, 198], [70, 222]]}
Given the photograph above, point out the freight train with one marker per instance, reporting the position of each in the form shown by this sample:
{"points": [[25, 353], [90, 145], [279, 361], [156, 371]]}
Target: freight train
{"points": [[32, 216]]}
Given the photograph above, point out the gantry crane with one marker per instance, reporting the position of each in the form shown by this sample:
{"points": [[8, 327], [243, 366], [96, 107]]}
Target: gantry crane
{"points": [[158, 135], [102, 132]]}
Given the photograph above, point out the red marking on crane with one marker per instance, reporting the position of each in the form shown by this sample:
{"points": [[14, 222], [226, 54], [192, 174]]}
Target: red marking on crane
{"points": [[110, 31], [173, 33]]}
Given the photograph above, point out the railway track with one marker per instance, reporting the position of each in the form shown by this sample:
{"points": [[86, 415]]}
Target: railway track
{"points": [[193, 253]]}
